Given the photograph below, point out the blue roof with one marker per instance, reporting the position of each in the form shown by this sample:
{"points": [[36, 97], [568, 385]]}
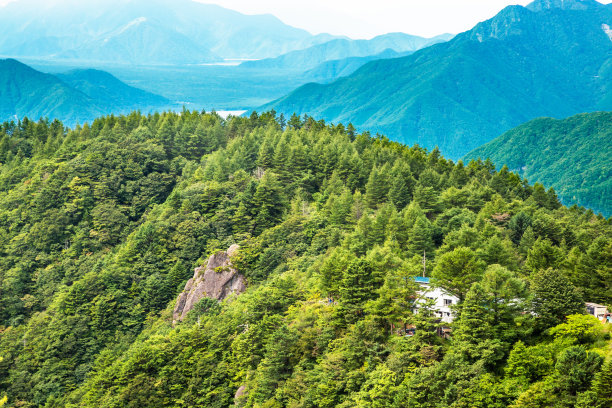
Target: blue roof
{"points": [[421, 279]]}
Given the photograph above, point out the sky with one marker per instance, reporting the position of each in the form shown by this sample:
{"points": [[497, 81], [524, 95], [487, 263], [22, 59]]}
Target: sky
{"points": [[368, 18]]}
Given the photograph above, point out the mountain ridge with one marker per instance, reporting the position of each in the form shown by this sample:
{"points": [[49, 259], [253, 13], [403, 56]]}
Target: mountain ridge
{"points": [[337, 49], [517, 66], [75, 96], [64, 29], [571, 155]]}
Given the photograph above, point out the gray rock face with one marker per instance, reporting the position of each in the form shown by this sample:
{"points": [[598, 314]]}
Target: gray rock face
{"points": [[216, 280]]}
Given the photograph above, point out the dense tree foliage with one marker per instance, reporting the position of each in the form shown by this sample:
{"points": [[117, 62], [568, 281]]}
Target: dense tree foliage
{"points": [[102, 225], [570, 155]]}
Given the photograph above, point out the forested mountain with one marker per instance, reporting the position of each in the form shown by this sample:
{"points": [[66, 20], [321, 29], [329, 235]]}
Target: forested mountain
{"points": [[27, 92], [102, 225], [143, 32], [76, 96], [109, 92], [334, 69], [571, 155], [344, 48], [550, 59]]}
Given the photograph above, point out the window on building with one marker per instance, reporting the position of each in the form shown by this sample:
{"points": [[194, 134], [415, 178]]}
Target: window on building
{"points": [[448, 302]]}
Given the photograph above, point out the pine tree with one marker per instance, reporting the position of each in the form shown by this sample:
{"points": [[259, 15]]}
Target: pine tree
{"points": [[377, 188], [166, 134], [475, 322], [426, 198], [402, 185], [276, 365], [518, 225], [356, 289], [295, 122], [527, 241], [269, 202], [241, 220], [602, 386], [473, 332], [265, 158], [456, 271], [554, 297], [543, 255], [420, 237], [539, 195]]}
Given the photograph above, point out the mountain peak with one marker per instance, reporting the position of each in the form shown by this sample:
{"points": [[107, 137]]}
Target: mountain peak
{"points": [[540, 5]]}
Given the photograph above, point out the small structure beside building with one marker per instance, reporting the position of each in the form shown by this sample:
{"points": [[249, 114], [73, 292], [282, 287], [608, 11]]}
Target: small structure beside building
{"points": [[599, 311]]}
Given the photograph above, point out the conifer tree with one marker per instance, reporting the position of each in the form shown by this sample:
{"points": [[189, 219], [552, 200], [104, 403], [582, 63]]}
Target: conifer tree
{"points": [[402, 185], [518, 225], [420, 237], [456, 271], [356, 289], [377, 188], [527, 241], [554, 297], [269, 202]]}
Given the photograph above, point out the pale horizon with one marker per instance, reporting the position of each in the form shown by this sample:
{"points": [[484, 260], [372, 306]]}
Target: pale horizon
{"points": [[363, 19]]}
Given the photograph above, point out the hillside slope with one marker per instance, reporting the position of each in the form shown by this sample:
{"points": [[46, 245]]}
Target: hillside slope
{"points": [[76, 96], [102, 226], [109, 92], [27, 92], [570, 155], [520, 65]]}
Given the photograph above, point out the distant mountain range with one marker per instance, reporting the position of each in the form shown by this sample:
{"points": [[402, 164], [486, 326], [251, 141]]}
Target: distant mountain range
{"points": [[75, 96], [334, 69], [552, 58], [338, 49], [143, 32], [571, 155]]}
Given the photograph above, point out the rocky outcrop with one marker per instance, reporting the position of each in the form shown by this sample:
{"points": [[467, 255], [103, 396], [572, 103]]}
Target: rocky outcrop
{"points": [[217, 279]]}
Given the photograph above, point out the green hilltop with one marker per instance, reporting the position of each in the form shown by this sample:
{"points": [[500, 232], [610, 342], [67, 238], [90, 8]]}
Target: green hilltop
{"points": [[570, 155], [101, 226]]}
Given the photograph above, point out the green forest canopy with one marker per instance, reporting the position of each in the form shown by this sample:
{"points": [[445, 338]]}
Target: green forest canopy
{"points": [[571, 155], [102, 225]]}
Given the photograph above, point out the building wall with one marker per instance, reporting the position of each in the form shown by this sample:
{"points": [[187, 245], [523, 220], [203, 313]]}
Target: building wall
{"points": [[443, 301]]}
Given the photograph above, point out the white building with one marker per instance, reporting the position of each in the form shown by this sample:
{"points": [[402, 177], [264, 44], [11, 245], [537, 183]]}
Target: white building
{"points": [[442, 299], [599, 311]]}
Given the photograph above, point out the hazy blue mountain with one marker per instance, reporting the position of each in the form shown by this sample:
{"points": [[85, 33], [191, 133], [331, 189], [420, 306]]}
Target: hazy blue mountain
{"points": [[143, 31], [541, 5], [142, 40], [109, 92], [520, 65], [27, 92], [77, 96], [344, 48], [333, 69], [570, 155]]}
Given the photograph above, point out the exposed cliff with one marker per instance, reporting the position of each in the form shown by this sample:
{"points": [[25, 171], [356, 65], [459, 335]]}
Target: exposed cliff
{"points": [[217, 279]]}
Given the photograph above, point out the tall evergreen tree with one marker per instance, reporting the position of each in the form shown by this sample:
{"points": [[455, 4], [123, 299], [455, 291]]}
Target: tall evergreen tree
{"points": [[554, 298], [356, 289], [456, 271]]}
